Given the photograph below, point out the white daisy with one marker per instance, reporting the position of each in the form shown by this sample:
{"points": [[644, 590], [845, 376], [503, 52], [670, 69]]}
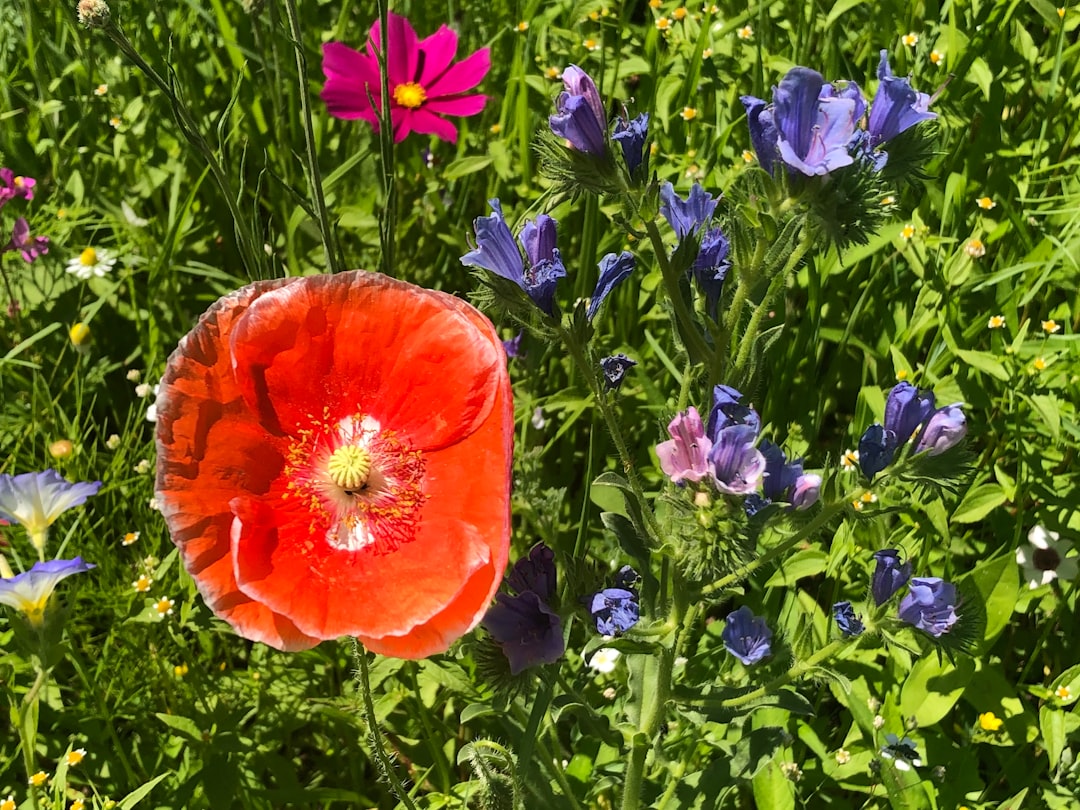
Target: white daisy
{"points": [[604, 660], [1044, 560], [91, 262]]}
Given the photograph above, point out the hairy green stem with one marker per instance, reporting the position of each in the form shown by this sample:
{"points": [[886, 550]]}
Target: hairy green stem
{"points": [[314, 177], [388, 215], [696, 346], [796, 672]]}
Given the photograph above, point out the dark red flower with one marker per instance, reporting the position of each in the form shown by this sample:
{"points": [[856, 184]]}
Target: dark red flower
{"points": [[334, 460]]}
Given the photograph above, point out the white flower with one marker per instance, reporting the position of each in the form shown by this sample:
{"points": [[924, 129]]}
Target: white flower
{"points": [[1044, 558], [538, 420], [91, 262], [604, 660]]}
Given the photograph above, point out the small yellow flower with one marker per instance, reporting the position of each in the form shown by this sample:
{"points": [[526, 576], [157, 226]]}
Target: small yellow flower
{"points": [[707, 53], [142, 584], [1061, 13], [61, 213], [975, 248], [1063, 693], [101, 89], [850, 460], [654, 3], [150, 563], [1039, 364], [1051, 326], [164, 606], [78, 804], [129, 538], [745, 32], [985, 203], [888, 200], [114, 122], [654, 149], [688, 113], [995, 322], [522, 27], [902, 374], [857, 505], [907, 231], [8, 803], [143, 467], [679, 13], [180, 671], [80, 335], [113, 441], [594, 15], [937, 57], [988, 721], [75, 757], [911, 39], [38, 779], [553, 73], [868, 497], [61, 448], [591, 45], [663, 23], [495, 129], [747, 156], [843, 756]]}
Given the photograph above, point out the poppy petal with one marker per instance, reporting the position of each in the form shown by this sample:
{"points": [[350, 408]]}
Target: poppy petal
{"points": [[465, 75], [364, 342]]}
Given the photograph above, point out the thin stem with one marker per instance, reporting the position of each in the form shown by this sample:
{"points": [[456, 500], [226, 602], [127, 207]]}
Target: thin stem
{"points": [[27, 717], [314, 178], [388, 215], [796, 672], [385, 763], [696, 346]]}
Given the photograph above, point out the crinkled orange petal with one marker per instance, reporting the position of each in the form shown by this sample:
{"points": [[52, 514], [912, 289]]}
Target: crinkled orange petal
{"points": [[365, 343], [210, 449]]}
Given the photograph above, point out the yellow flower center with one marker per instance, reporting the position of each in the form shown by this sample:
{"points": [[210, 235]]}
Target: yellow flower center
{"points": [[410, 95], [19, 182], [88, 258], [349, 467]]}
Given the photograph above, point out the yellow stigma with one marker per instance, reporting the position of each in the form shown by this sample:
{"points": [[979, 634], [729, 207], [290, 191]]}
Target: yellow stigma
{"points": [[349, 467], [410, 95], [88, 257]]}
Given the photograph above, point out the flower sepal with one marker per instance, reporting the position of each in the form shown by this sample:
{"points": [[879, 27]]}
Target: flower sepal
{"points": [[575, 172]]}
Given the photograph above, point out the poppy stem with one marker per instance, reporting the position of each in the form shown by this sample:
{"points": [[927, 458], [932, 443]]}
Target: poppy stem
{"points": [[314, 178], [386, 765]]}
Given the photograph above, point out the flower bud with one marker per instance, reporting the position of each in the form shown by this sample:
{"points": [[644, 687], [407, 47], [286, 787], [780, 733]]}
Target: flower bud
{"points": [[93, 13], [889, 576], [944, 430], [807, 491]]}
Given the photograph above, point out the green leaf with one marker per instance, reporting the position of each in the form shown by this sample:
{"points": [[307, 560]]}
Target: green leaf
{"points": [[983, 361], [629, 540], [979, 502], [1052, 726], [806, 563], [933, 687], [772, 789], [183, 725], [1050, 411], [139, 793], [467, 165], [998, 582]]}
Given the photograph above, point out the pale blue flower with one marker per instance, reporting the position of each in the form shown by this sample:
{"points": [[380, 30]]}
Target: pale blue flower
{"points": [[29, 592], [36, 500]]}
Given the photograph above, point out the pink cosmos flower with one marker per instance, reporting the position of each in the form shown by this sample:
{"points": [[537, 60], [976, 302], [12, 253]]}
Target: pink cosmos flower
{"points": [[423, 83], [686, 456]]}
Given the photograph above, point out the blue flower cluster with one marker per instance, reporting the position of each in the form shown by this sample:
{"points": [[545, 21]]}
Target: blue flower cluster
{"points": [[909, 410], [692, 218], [930, 604], [615, 610]]}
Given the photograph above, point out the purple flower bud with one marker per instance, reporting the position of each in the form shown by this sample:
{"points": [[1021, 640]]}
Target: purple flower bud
{"points": [[897, 106], [807, 491], [686, 216], [905, 409], [944, 430], [535, 573], [930, 605], [889, 575], [615, 610], [631, 135], [527, 630], [614, 369], [846, 619], [746, 636], [580, 115], [614, 269], [779, 477], [711, 266], [763, 132], [686, 456], [513, 345], [876, 450], [737, 464]]}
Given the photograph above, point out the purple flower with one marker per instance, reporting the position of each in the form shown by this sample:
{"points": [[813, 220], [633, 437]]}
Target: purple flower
{"points": [[686, 456], [580, 115], [30, 247], [614, 369], [763, 133], [496, 252], [807, 491], [29, 592], [727, 410], [527, 630], [876, 450], [614, 269], [814, 124], [615, 610], [686, 216], [897, 106], [846, 619], [711, 266], [513, 345], [737, 464], [746, 636], [930, 605], [779, 477], [889, 575], [535, 573], [905, 409], [631, 135], [36, 500], [13, 185], [944, 430]]}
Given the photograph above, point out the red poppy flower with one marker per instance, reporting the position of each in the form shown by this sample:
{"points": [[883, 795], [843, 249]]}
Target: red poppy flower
{"points": [[422, 81], [334, 460]]}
